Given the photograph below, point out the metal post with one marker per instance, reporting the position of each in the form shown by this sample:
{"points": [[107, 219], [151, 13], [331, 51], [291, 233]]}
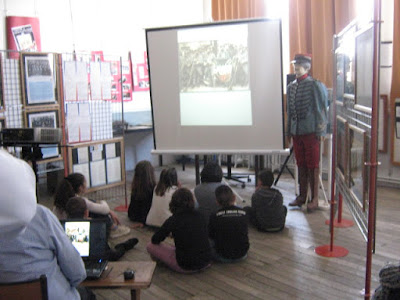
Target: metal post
{"points": [[374, 141]]}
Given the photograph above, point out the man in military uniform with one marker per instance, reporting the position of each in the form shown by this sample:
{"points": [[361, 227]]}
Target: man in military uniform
{"points": [[306, 124]]}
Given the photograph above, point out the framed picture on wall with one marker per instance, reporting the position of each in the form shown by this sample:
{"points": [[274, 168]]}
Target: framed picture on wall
{"points": [[2, 108], [44, 119], [47, 119], [357, 169], [383, 124], [342, 147], [395, 131], [39, 78], [364, 67]]}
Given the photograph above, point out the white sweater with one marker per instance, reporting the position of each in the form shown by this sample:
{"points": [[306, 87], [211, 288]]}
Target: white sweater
{"points": [[159, 211]]}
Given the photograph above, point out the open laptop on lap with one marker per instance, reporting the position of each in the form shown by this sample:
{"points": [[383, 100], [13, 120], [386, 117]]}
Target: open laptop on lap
{"points": [[89, 237]]}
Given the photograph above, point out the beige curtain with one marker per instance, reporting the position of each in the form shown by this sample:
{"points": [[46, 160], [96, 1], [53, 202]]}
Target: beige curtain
{"points": [[312, 24], [345, 12], [311, 28], [237, 9]]}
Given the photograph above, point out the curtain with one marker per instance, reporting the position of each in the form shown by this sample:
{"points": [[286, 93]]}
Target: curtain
{"points": [[312, 26], [345, 12], [237, 9]]}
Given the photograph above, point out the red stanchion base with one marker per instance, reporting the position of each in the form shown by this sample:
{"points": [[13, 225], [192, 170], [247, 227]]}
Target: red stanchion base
{"points": [[337, 251], [122, 208], [342, 224]]}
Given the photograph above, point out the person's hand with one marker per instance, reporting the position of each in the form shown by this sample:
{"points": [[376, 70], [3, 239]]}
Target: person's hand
{"points": [[115, 218]]}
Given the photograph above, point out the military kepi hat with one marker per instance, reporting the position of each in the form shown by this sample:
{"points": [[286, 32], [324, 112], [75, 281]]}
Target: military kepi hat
{"points": [[301, 58]]}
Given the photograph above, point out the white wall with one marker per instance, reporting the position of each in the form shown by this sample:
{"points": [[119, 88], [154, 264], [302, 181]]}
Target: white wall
{"points": [[114, 27]]}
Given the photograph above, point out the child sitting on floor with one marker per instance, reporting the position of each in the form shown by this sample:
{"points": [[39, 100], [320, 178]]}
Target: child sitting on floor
{"points": [[228, 228], [75, 184], [142, 193], [192, 251], [267, 211], [162, 195]]}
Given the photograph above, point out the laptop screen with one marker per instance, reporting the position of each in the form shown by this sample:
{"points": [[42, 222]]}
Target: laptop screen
{"points": [[89, 237]]}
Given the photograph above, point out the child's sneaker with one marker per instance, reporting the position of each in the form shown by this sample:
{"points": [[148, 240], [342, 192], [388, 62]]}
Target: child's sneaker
{"points": [[120, 230]]}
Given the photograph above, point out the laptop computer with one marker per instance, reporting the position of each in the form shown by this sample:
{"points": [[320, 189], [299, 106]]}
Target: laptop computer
{"points": [[89, 237]]}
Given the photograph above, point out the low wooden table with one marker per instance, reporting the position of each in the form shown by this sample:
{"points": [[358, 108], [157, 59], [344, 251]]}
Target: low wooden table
{"points": [[113, 277]]}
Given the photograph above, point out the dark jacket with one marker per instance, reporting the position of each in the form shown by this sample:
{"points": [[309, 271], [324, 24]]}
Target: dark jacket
{"points": [[307, 102], [228, 229], [189, 231], [140, 206], [267, 204]]}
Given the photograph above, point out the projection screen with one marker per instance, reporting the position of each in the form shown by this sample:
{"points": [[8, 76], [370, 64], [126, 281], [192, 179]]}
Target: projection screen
{"points": [[217, 88]]}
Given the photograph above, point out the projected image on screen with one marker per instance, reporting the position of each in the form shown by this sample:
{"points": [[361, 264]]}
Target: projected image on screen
{"points": [[214, 76], [78, 233]]}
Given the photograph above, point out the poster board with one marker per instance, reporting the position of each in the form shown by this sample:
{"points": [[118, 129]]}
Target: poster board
{"points": [[101, 162]]}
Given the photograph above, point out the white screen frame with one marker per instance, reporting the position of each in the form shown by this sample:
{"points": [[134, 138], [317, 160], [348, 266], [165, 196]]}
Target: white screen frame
{"points": [[265, 135]]}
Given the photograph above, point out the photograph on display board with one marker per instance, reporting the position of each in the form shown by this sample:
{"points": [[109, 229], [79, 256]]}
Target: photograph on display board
{"points": [[23, 34], [383, 124], [342, 146], [357, 169], [397, 118], [44, 119], [120, 88], [364, 67], [344, 75], [141, 75], [395, 131], [39, 79], [1, 85], [117, 82]]}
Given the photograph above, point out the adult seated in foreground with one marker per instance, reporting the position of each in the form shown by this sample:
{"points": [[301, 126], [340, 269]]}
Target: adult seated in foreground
{"points": [[211, 177], [192, 250], [76, 208], [267, 212], [228, 228], [32, 239]]}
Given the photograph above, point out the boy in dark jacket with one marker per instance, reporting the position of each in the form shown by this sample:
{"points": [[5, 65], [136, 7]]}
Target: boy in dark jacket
{"points": [[228, 228], [267, 211]]}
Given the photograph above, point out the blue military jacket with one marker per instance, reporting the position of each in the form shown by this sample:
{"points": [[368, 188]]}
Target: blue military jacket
{"points": [[307, 102]]}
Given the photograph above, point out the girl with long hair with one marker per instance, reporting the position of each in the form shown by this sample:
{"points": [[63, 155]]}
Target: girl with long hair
{"points": [[162, 195], [142, 192]]}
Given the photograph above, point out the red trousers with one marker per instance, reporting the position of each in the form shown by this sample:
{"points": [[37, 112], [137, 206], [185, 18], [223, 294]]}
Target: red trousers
{"points": [[306, 150]]}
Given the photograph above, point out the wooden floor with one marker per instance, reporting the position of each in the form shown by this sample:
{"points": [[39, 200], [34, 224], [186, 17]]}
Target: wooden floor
{"points": [[281, 265]]}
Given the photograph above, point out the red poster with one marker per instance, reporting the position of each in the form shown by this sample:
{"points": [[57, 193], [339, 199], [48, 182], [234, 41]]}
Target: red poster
{"points": [[23, 34], [116, 81], [141, 76], [116, 92]]}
